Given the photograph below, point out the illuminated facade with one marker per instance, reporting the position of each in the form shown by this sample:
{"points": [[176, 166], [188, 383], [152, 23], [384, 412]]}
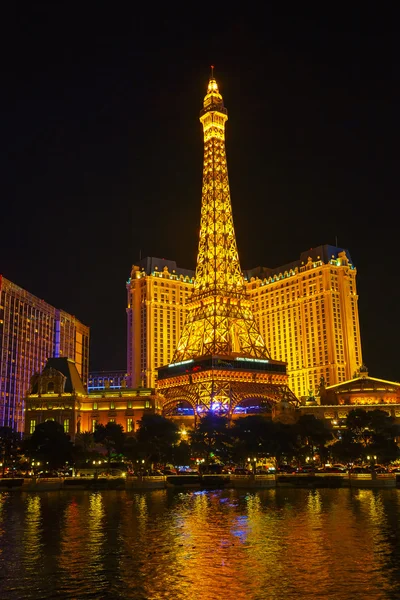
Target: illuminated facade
{"points": [[334, 402], [220, 360], [31, 331], [100, 380], [158, 292], [307, 312], [57, 393]]}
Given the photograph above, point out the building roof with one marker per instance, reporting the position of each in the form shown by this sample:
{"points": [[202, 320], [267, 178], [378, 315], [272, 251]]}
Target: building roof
{"points": [[67, 367], [325, 253], [363, 383], [151, 264], [111, 373]]}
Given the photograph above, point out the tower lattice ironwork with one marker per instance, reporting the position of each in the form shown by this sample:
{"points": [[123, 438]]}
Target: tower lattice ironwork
{"points": [[221, 358], [220, 319]]}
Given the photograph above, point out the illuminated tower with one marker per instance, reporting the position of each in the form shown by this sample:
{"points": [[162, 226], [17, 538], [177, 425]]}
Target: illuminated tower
{"points": [[220, 319], [221, 358]]}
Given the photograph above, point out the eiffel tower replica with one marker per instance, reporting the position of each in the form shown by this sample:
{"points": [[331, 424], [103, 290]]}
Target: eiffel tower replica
{"points": [[221, 360]]}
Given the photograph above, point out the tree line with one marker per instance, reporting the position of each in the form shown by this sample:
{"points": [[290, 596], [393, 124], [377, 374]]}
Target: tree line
{"points": [[159, 441]]}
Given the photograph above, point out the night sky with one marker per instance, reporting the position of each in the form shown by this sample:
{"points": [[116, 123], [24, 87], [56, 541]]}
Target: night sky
{"points": [[101, 149]]}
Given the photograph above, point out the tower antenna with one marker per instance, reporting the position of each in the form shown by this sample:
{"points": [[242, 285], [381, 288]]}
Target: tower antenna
{"points": [[212, 71]]}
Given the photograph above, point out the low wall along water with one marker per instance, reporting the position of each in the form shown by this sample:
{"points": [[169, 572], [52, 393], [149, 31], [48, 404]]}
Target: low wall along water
{"points": [[319, 480]]}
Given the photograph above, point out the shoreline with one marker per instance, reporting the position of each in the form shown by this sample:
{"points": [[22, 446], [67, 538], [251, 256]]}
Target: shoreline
{"points": [[187, 482]]}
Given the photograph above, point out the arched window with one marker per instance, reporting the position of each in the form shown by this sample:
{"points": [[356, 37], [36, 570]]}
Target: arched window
{"points": [[50, 387]]}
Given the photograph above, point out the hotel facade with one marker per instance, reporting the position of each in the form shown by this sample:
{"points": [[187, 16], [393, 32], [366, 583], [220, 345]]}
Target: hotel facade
{"points": [[307, 312], [58, 394], [31, 331]]}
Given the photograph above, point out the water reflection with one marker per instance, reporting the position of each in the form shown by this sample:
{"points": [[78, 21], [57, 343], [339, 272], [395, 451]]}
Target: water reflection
{"points": [[31, 542], [95, 531], [275, 544], [3, 498]]}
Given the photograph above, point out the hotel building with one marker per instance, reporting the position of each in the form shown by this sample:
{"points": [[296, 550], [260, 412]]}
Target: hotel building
{"points": [[158, 291], [307, 312], [31, 331], [58, 394]]}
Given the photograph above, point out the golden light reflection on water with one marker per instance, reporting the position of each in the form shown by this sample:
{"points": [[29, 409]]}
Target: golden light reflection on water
{"points": [[32, 543], [255, 548], [278, 544], [376, 537], [73, 557], [3, 498], [82, 535], [95, 528]]}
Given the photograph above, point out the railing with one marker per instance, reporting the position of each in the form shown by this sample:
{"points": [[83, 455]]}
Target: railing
{"points": [[385, 476], [343, 474]]}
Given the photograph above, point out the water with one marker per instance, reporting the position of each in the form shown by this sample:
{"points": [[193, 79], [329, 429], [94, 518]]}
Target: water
{"points": [[278, 544]]}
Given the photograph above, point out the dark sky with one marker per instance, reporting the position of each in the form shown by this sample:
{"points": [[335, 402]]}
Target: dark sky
{"points": [[101, 148]]}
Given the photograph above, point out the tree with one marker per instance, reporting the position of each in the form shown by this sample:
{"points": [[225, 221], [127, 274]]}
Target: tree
{"points": [[210, 439], [368, 433], [49, 444], [258, 437], [85, 449], [84, 441], [286, 444], [385, 449], [181, 454], [157, 437], [357, 424], [375, 431], [111, 436], [346, 450], [253, 437], [312, 434]]}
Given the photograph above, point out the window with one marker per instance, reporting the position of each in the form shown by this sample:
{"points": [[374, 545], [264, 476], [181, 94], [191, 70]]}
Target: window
{"points": [[66, 425], [94, 405], [147, 404], [129, 403], [129, 425], [112, 405], [50, 387], [94, 423], [32, 426]]}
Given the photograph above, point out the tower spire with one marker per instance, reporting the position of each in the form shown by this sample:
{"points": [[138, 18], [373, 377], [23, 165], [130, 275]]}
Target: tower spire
{"points": [[219, 319]]}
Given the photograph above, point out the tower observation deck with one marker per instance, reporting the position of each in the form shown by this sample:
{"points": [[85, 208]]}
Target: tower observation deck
{"points": [[221, 360]]}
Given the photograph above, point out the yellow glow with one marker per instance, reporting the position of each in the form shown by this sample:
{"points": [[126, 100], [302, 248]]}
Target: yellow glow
{"points": [[219, 317]]}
